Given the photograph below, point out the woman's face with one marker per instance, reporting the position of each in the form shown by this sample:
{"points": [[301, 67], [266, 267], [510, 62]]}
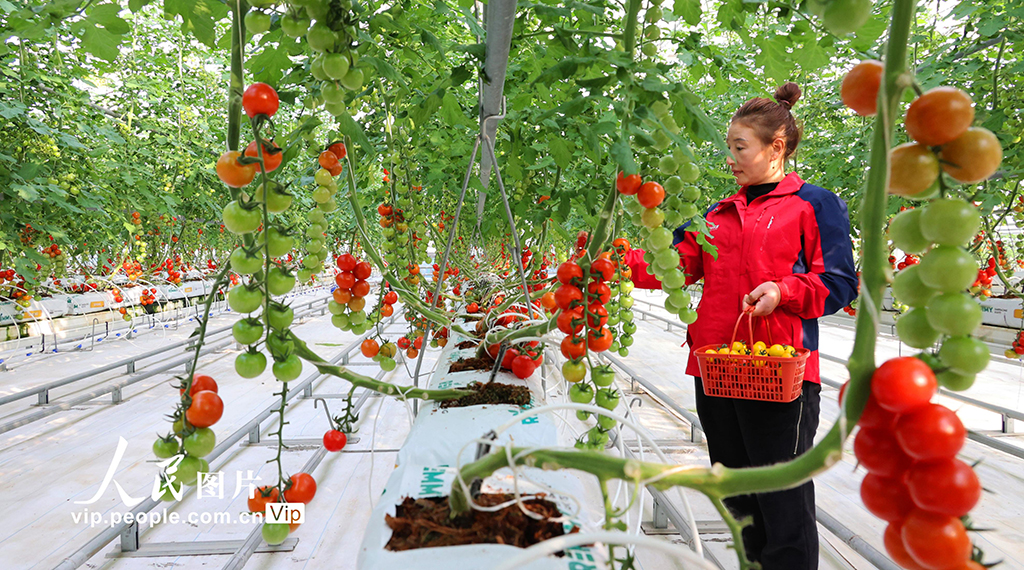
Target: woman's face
{"points": [[753, 162]]}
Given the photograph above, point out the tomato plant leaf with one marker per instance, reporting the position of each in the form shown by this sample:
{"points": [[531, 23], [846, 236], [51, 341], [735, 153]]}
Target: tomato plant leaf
{"points": [[622, 154], [560, 151], [688, 10], [349, 127]]}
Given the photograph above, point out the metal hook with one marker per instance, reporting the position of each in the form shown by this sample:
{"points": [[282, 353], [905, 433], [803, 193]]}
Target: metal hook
{"points": [[330, 418]]}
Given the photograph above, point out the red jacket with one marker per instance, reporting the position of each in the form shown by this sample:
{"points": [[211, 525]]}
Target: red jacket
{"points": [[798, 236]]}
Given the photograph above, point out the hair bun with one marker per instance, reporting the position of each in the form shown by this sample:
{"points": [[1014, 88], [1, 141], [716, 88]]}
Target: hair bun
{"points": [[788, 94]]}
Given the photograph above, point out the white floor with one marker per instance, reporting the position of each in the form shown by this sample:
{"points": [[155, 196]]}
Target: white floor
{"points": [[48, 465]]}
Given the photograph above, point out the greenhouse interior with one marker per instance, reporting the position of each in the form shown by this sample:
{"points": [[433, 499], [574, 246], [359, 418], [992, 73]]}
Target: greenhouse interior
{"points": [[487, 284]]}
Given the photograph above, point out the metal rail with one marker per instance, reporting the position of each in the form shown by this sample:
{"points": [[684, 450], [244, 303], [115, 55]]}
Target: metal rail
{"points": [[130, 532], [696, 433], [127, 363], [1006, 414], [241, 556], [115, 389], [858, 544]]}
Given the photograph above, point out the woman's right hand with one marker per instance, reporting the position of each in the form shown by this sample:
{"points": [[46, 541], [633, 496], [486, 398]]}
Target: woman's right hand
{"points": [[763, 299]]}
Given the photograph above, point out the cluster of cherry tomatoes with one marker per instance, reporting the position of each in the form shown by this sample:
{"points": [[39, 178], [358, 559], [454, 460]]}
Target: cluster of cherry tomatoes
{"points": [[939, 118], [915, 482], [982, 285], [299, 488], [52, 251], [349, 298], [581, 311], [148, 296], [192, 437], [28, 235], [1017, 350], [383, 354], [522, 360]]}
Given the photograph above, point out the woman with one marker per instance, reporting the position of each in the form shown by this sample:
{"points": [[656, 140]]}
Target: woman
{"points": [[784, 253]]}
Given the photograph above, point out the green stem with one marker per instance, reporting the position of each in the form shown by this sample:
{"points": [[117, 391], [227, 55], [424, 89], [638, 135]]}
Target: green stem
{"points": [[403, 392], [236, 82], [874, 250], [629, 34]]}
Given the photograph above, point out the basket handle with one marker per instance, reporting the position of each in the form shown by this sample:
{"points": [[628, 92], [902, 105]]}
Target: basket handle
{"points": [[750, 328]]}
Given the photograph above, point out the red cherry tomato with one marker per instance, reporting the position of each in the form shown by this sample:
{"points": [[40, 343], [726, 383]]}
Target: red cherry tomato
{"points": [[302, 490], [260, 99], [201, 382], [206, 409], [347, 262], [335, 440], [903, 384]]}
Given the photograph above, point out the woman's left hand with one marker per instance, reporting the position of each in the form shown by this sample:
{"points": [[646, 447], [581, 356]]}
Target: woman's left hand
{"points": [[762, 300]]}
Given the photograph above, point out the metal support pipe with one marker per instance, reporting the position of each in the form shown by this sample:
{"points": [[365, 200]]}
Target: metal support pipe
{"points": [[128, 363], [83, 554], [858, 544], [242, 555]]}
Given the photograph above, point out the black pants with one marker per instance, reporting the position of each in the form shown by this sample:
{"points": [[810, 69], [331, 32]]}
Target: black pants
{"points": [[750, 433]]}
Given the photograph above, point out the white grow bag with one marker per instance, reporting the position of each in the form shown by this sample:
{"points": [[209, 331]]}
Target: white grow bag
{"points": [[426, 467]]}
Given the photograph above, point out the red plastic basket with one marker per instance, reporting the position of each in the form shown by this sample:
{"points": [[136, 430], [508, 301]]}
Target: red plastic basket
{"points": [[766, 378]]}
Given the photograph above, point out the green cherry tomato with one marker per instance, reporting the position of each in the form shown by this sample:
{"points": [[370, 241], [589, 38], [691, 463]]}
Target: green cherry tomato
{"points": [[954, 314], [607, 398], [274, 533], [949, 221], [582, 415], [250, 364], [909, 289], [606, 423], [603, 376], [165, 448], [279, 199], [279, 281], [189, 469], [238, 220], [201, 442], [336, 308], [914, 330], [952, 380], [245, 262], [905, 231], [623, 352], [574, 371], [247, 331], [581, 393], [967, 356], [597, 437], [341, 322], [948, 269], [288, 369], [387, 364], [279, 344], [166, 492], [279, 316], [278, 243], [843, 17], [245, 299]]}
